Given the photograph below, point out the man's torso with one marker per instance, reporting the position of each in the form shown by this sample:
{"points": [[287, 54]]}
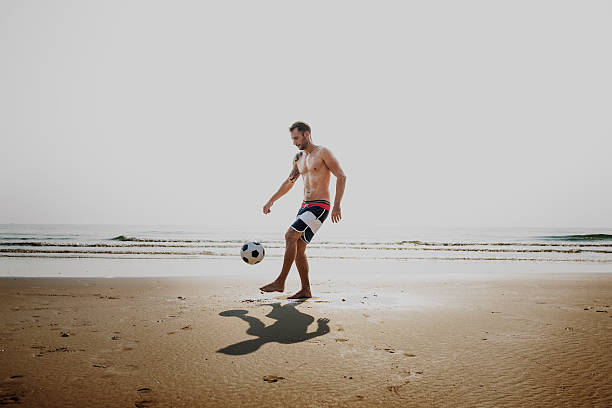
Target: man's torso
{"points": [[315, 174]]}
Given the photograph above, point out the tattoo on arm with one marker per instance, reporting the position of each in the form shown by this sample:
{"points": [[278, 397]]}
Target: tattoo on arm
{"points": [[295, 172]]}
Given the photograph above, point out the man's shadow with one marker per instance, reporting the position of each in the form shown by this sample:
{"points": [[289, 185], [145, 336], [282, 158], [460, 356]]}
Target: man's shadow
{"points": [[290, 327]]}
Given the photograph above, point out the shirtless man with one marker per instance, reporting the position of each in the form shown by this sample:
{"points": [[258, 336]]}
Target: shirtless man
{"points": [[315, 164]]}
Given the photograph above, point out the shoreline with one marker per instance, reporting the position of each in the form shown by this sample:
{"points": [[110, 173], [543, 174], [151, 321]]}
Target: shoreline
{"points": [[233, 267]]}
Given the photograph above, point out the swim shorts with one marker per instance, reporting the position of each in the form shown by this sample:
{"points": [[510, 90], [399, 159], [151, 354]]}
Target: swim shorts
{"points": [[310, 218]]}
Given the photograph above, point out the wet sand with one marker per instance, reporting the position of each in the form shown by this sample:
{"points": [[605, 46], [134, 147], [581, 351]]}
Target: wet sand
{"points": [[368, 338]]}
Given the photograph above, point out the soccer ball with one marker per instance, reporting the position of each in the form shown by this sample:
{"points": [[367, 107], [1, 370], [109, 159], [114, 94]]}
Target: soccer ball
{"points": [[252, 252]]}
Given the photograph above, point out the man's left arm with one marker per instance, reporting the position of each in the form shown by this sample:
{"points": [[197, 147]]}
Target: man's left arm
{"points": [[332, 163]]}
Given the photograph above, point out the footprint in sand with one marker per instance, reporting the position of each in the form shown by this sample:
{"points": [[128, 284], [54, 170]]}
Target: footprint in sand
{"points": [[396, 388], [62, 349], [9, 391], [387, 349], [272, 378], [8, 397], [146, 399]]}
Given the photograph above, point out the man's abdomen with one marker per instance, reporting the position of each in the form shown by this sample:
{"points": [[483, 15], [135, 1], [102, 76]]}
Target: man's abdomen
{"points": [[316, 188]]}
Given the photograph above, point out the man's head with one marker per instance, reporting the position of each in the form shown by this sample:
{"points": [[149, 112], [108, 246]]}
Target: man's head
{"points": [[300, 135]]}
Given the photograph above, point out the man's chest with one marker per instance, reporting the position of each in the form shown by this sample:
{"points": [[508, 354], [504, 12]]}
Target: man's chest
{"points": [[311, 163]]}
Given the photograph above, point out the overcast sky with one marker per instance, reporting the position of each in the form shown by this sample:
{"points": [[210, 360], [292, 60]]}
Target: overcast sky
{"points": [[442, 113]]}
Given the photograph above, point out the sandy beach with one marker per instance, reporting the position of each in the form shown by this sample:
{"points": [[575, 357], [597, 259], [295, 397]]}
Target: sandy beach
{"points": [[369, 337], [447, 164]]}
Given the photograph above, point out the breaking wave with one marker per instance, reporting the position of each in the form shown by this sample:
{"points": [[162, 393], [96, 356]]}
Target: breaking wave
{"points": [[582, 237], [137, 239]]}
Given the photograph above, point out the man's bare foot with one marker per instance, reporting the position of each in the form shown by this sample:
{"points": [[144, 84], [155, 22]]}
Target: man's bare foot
{"points": [[302, 294], [273, 287]]}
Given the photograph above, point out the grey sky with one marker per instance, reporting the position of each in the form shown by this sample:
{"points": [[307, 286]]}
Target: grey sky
{"points": [[474, 113]]}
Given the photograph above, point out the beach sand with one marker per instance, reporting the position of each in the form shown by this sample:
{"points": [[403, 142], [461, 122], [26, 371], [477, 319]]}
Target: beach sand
{"points": [[374, 335]]}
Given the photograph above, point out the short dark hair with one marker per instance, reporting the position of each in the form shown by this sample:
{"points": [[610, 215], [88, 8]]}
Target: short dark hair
{"points": [[301, 126]]}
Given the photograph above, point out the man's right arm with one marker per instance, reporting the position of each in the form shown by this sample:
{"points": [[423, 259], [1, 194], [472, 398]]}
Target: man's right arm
{"points": [[285, 187]]}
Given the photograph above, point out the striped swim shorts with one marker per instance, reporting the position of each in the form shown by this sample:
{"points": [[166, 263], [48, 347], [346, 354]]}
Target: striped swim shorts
{"points": [[310, 218]]}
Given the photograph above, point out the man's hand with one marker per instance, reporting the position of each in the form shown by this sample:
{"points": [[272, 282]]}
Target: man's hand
{"points": [[336, 214], [266, 207]]}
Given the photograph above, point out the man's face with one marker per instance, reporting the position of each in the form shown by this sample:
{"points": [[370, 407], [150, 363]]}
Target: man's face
{"points": [[298, 139]]}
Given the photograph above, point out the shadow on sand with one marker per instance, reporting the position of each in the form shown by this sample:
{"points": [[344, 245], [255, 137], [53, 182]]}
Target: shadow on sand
{"points": [[290, 327]]}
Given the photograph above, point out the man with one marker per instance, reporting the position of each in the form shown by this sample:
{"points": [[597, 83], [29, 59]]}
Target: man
{"points": [[315, 164]]}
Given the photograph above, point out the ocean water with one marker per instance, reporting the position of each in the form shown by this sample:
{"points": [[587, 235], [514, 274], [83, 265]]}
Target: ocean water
{"points": [[167, 242]]}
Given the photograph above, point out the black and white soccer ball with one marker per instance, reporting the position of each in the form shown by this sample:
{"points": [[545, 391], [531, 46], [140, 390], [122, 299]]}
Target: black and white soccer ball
{"points": [[252, 253]]}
